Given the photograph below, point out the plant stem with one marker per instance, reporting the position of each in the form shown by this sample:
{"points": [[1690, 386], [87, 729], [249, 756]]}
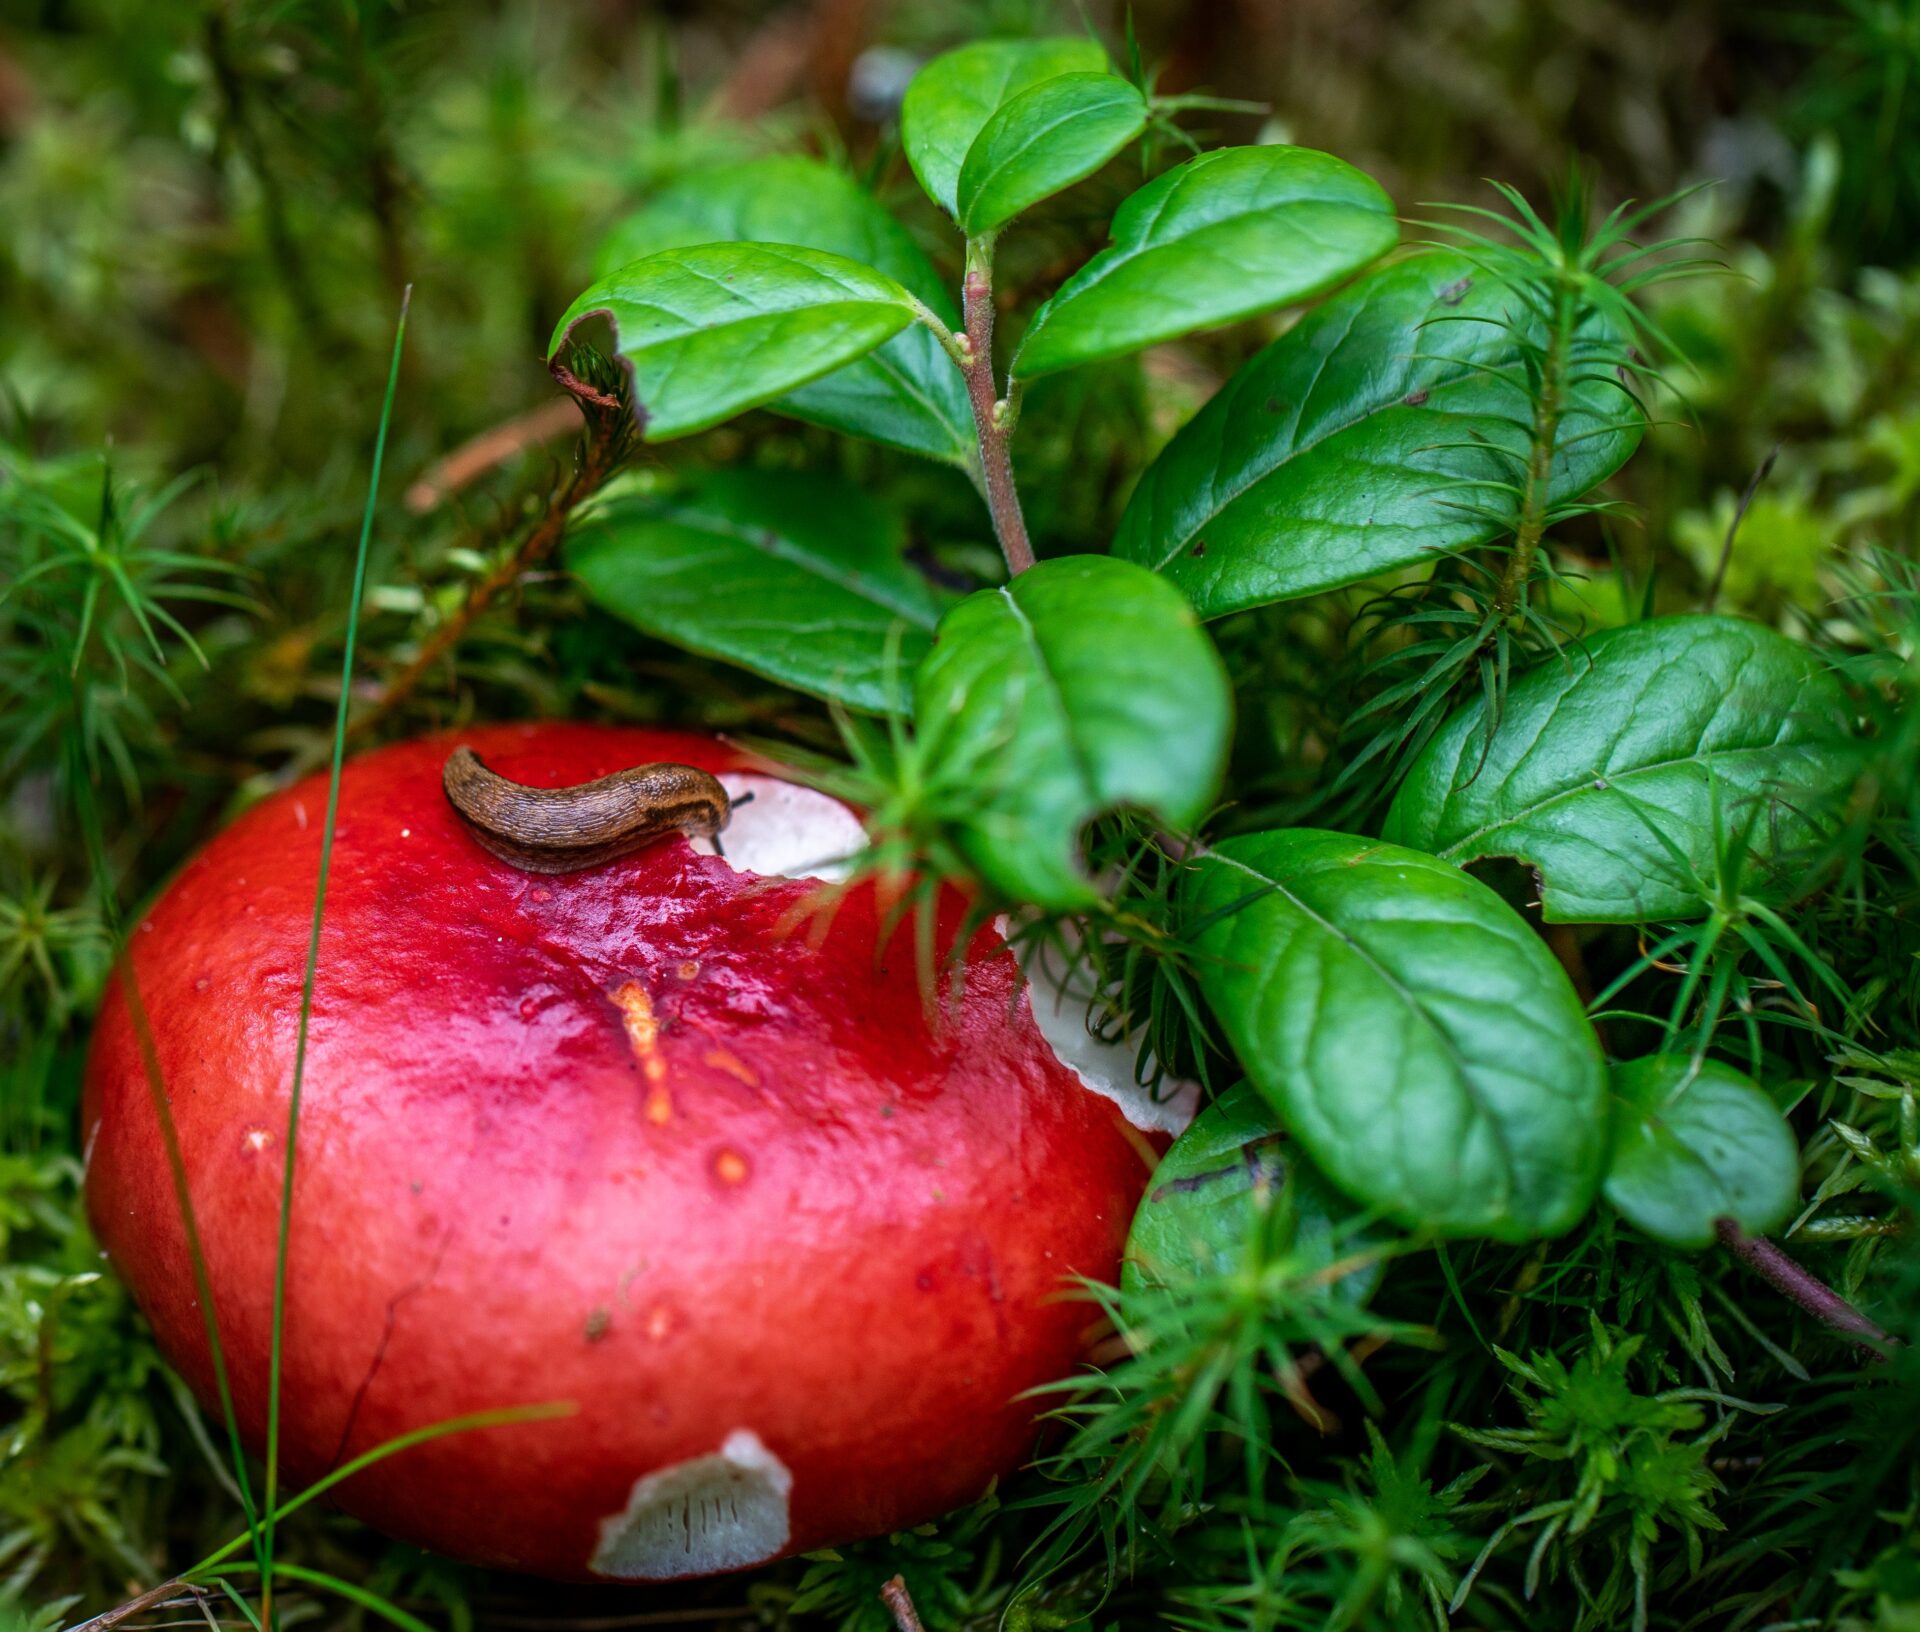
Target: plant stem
{"points": [[899, 1604], [313, 967], [993, 425], [1548, 406], [608, 430], [152, 1599], [1806, 1290]]}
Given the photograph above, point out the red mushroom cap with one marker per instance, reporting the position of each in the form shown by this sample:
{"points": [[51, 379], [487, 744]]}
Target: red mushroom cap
{"points": [[639, 1138]]}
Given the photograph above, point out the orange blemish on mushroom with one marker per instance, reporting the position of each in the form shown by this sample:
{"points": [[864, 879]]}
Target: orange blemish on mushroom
{"points": [[730, 1167], [722, 1059], [687, 970], [643, 1037]]}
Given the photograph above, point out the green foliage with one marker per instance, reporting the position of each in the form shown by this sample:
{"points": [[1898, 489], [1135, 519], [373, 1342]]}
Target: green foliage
{"points": [[1413, 1035], [1621, 772], [905, 394], [793, 574], [951, 1573], [1191, 1412], [1429, 574], [1380, 1549], [89, 606], [1042, 141], [1225, 236], [50, 957], [954, 98], [1381, 430], [1695, 1142], [1205, 1199], [715, 328], [1083, 685], [81, 1446], [1612, 1462]]}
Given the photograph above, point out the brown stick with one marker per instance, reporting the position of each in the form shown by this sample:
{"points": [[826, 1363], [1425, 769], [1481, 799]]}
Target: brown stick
{"points": [[1805, 1290], [608, 430], [490, 449], [996, 464], [899, 1604], [152, 1598]]}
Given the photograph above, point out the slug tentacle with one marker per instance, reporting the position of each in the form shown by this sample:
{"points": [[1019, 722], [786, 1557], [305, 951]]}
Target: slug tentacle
{"points": [[562, 830]]}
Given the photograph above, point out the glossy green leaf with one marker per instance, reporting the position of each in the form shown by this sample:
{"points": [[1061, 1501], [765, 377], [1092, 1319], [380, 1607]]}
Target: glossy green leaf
{"points": [[953, 97], [1217, 1184], [1082, 685], [907, 393], [1224, 236], [1042, 141], [1622, 774], [1359, 441], [1415, 1036], [1694, 1142], [795, 575], [717, 328]]}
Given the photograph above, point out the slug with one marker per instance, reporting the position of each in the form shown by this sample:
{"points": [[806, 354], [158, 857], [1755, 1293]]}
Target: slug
{"points": [[562, 830]]}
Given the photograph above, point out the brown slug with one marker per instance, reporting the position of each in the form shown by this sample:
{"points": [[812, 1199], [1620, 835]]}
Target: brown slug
{"points": [[562, 830]]}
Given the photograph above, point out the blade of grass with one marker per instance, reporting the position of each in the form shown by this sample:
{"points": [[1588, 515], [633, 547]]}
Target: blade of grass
{"points": [[313, 962], [505, 1417], [209, 1567], [354, 1594]]}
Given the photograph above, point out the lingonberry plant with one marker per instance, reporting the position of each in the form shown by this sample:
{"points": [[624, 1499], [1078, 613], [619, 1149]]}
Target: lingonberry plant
{"points": [[1426, 426], [1416, 1057]]}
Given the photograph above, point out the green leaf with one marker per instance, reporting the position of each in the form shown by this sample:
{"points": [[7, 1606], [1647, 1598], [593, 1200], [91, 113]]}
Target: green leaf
{"points": [[1415, 1036], [907, 393], [1225, 1173], [953, 97], [1043, 140], [795, 575], [1623, 773], [718, 328], [1082, 685], [1363, 440], [1696, 1141], [1223, 237]]}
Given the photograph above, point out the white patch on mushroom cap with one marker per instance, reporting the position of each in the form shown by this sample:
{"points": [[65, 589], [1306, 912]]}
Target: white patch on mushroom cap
{"points": [[1061, 999], [720, 1512], [785, 830]]}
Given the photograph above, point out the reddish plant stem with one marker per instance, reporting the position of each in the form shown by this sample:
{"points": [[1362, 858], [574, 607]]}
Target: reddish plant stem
{"points": [[899, 1604], [607, 438], [1805, 1290], [141, 1603], [996, 464]]}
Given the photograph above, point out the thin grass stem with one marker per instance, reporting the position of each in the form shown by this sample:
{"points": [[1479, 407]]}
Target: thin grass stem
{"points": [[313, 963]]}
